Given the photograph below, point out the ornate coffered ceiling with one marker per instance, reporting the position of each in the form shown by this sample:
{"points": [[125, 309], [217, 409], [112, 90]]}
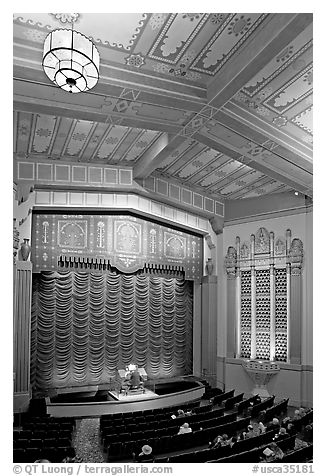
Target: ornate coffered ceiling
{"points": [[220, 103]]}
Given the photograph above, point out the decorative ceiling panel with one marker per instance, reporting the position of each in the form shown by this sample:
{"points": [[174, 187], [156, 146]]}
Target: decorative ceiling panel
{"points": [[183, 46], [44, 132], [218, 102], [112, 140], [221, 172], [241, 182], [281, 93], [271, 187]]}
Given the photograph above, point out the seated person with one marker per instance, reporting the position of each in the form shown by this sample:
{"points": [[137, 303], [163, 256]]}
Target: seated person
{"points": [[219, 441], [307, 433], [185, 428], [296, 415], [216, 443], [281, 435], [274, 425], [145, 456], [261, 427], [250, 433], [291, 430], [272, 453], [232, 441], [135, 379], [286, 421]]}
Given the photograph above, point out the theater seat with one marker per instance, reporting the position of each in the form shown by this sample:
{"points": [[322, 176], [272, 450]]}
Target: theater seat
{"points": [[19, 455]]}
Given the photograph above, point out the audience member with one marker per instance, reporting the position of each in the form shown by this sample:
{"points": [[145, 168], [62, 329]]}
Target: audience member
{"points": [[307, 433], [250, 433], [291, 430], [272, 453], [262, 427], [219, 441], [281, 435], [180, 414], [185, 428], [278, 453], [274, 425], [233, 441], [262, 416], [224, 440], [145, 456], [285, 422], [216, 442], [72, 459], [296, 415]]}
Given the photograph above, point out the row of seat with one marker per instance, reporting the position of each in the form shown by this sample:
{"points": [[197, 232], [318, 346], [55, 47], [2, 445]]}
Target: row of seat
{"points": [[117, 450], [259, 407], [299, 455], [41, 443], [170, 431], [243, 405], [29, 434], [230, 402], [275, 410], [218, 399], [134, 416], [54, 454], [204, 455], [41, 437], [153, 424], [110, 424], [254, 455]]}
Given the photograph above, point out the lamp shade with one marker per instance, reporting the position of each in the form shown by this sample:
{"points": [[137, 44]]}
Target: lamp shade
{"points": [[71, 60]]}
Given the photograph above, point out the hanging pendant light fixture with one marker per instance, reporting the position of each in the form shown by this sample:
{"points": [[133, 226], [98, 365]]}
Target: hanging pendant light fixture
{"points": [[71, 60]]}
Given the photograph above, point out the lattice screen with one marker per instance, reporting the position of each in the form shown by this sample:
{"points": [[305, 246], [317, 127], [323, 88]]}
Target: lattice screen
{"points": [[263, 312], [280, 314], [245, 323]]}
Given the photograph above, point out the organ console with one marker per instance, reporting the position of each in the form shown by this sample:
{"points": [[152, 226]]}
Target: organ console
{"points": [[132, 379]]}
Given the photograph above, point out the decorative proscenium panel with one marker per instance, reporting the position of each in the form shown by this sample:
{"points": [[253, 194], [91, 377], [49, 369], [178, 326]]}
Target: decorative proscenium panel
{"points": [[125, 242]]}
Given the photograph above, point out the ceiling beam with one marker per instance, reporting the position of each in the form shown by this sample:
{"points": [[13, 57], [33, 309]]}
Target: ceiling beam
{"points": [[260, 137], [240, 118], [287, 177], [154, 156], [269, 39]]}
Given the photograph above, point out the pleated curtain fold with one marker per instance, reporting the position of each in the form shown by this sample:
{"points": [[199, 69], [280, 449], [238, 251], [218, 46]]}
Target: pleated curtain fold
{"points": [[87, 326]]}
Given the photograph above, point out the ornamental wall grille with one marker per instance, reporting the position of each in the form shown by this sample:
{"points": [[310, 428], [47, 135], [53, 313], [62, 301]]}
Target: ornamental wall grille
{"points": [[261, 269]]}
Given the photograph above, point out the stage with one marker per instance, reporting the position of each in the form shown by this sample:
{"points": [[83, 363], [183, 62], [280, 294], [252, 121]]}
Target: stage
{"points": [[97, 400]]}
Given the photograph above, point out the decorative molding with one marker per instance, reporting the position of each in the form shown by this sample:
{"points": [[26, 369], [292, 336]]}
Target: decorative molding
{"points": [[81, 174], [230, 262], [178, 194], [122, 201], [295, 256], [209, 242]]}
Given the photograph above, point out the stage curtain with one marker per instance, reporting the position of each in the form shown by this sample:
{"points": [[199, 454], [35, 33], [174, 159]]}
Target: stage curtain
{"points": [[86, 326]]}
